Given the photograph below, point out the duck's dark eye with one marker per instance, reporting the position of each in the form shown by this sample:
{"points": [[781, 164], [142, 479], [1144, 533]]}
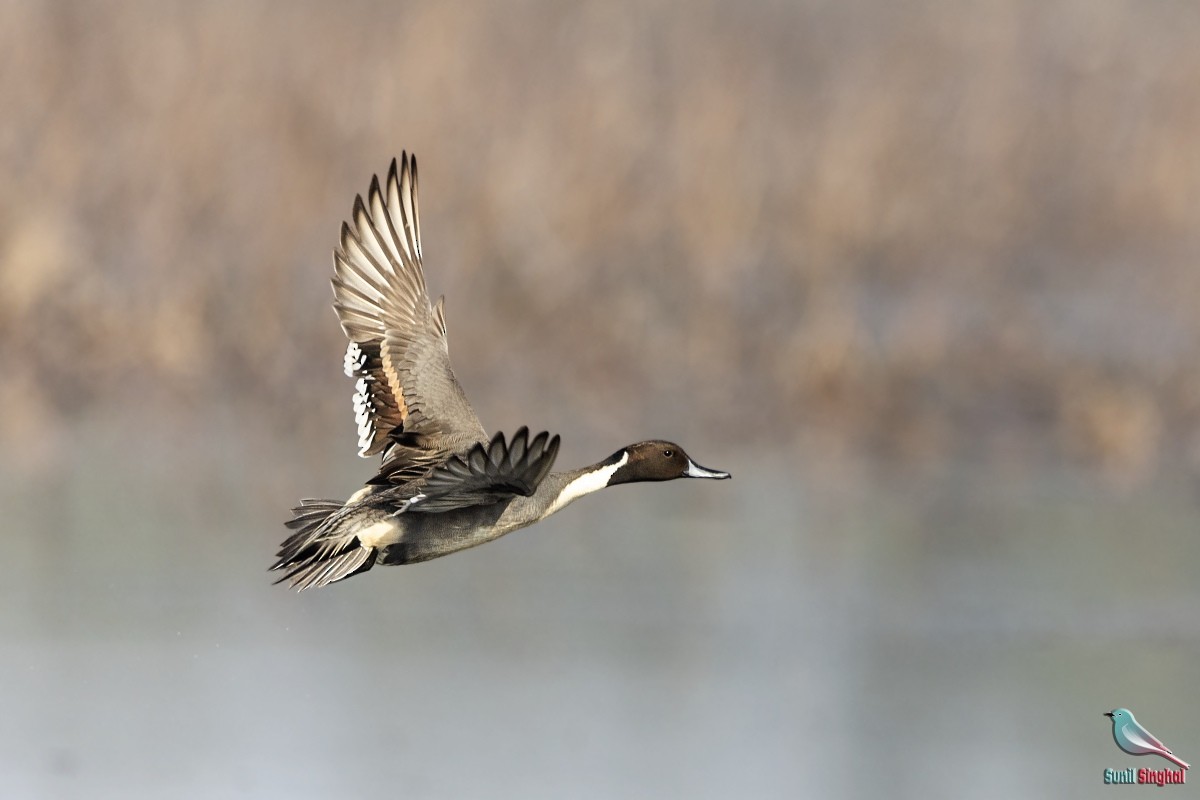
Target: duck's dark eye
{"points": [[668, 453]]}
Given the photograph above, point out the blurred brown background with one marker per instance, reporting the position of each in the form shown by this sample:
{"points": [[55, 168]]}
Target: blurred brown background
{"points": [[921, 275], [914, 230]]}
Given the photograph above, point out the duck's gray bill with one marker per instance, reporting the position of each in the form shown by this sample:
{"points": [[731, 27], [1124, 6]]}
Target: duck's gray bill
{"points": [[694, 470]]}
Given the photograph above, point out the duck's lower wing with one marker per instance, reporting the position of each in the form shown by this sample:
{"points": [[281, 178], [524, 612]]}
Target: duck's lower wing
{"points": [[488, 473]]}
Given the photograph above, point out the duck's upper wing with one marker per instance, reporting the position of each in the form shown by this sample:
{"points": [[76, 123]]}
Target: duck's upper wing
{"points": [[397, 348], [488, 473]]}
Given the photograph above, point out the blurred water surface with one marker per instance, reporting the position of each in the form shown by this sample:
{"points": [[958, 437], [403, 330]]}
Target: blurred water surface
{"points": [[784, 634]]}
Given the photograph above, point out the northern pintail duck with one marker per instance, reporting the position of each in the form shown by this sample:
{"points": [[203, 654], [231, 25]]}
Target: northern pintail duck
{"points": [[443, 484]]}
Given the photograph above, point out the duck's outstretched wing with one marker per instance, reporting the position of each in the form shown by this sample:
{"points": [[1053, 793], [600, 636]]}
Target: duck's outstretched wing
{"points": [[407, 397], [488, 473]]}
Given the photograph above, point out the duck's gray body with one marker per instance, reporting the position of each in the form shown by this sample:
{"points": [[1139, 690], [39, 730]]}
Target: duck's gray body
{"points": [[407, 538], [443, 486]]}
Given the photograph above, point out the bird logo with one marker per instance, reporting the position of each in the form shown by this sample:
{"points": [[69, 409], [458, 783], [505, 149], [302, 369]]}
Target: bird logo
{"points": [[1131, 737]]}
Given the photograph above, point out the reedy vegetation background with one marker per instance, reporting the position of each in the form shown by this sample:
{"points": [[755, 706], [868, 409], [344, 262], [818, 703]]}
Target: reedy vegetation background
{"points": [[911, 233]]}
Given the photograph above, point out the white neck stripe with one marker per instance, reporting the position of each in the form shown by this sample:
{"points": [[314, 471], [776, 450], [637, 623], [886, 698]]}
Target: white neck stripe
{"points": [[586, 483]]}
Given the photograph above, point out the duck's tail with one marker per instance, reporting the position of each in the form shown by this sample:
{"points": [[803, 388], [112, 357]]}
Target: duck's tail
{"points": [[318, 554]]}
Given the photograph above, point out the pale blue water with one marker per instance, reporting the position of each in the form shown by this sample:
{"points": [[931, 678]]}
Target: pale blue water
{"points": [[780, 635]]}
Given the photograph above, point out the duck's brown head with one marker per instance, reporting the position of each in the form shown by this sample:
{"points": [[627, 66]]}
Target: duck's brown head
{"points": [[657, 460]]}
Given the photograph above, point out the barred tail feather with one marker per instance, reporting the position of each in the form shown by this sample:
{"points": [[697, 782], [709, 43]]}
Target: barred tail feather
{"points": [[331, 570], [311, 513], [315, 555]]}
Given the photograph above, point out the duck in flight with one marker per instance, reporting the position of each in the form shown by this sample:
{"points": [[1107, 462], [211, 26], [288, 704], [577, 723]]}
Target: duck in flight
{"points": [[443, 484]]}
